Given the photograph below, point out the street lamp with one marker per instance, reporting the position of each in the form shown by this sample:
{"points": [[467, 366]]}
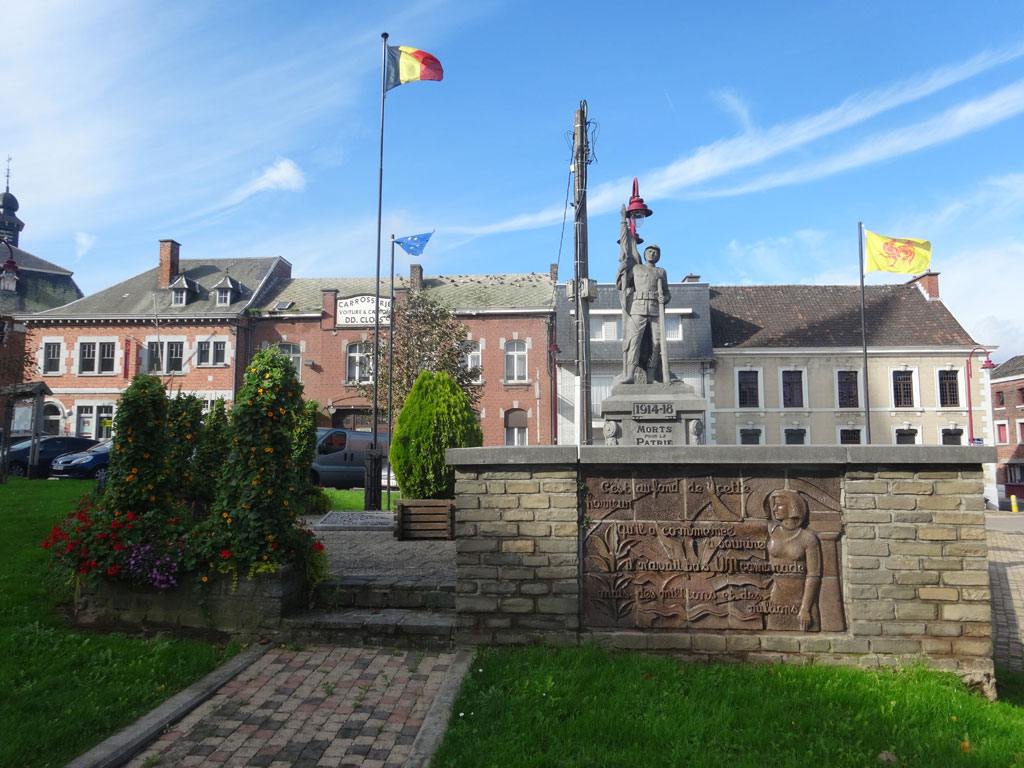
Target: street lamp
{"points": [[636, 211], [988, 365]]}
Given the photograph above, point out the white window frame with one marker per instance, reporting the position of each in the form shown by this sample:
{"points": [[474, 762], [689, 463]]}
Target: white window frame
{"points": [[61, 356], [524, 356], [294, 354], [918, 437], [80, 357], [353, 352], [944, 427], [961, 402], [474, 358], [97, 342], [995, 431], [223, 297], [843, 427], [677, 334], [213, 341], [179, 297], [164, 340], [760, 387], [805, 406], [521, 435], [1019, 431], [915, 383], [860, 388], [604, 322], [805, 427]]}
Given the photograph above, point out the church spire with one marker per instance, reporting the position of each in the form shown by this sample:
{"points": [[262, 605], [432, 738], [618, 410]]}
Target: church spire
{"points": [[10, 224]]}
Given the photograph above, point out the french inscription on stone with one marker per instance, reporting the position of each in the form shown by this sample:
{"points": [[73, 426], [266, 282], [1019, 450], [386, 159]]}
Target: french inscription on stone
{"points": [[712, 552]]}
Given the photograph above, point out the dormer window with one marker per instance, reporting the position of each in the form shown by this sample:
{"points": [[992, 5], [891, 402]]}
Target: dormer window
{"points": [[8, 281], [180, 298], [180, 290], [228, 290], [223, 297]]}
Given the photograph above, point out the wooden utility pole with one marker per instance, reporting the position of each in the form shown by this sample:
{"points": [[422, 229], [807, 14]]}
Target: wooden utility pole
{"points": [[582, 287]]}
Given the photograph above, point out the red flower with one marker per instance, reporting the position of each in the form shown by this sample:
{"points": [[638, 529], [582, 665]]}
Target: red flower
{"points": [[131, 515], [112, 570], [318, 547], [225, 553]]}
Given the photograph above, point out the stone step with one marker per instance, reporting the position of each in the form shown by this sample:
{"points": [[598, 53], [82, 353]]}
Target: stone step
{"points": [[373, 592], [388, 627]]}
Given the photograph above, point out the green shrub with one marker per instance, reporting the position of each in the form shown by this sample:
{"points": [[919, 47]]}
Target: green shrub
{"points": [[138, 475], [304, 446], [184, 427], [209, 457], [437, 415]]}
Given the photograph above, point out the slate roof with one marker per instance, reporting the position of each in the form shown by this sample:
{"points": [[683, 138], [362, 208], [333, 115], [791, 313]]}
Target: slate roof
{"points": [[1011, 368], [41, 284], [457, 292], [139, 296], [829, 316]]}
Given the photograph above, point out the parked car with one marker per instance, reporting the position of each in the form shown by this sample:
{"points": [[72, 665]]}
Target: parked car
{"points": [[91, 462], [340, 458], [49, 448]]}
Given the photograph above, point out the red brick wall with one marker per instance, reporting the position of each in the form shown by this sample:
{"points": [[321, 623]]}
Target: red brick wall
{"points": [[1012, 412]]}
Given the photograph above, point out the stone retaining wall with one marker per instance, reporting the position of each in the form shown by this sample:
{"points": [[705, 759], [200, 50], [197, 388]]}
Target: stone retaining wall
{"points": [[912, 557]]}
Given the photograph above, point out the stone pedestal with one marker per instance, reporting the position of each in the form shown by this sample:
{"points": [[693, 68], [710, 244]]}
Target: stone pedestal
{"points": [[654, 415]]}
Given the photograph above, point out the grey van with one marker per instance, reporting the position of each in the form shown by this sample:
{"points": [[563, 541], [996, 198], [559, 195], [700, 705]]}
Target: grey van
{"points": [[340, 457]]}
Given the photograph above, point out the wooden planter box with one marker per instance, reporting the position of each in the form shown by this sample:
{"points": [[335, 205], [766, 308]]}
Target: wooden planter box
{"points": [[251, 607], [424, 519]]}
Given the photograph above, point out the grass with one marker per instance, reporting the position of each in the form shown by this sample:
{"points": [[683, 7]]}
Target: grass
{"points": [[63, 691], [575, 707], [353, 499]]}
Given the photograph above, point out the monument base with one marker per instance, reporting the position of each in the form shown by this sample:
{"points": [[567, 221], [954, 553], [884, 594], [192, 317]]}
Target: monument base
{"points": [[654, 415]]}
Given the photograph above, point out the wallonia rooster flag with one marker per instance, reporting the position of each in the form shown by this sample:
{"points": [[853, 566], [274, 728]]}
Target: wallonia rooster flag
{"points": [[896, 254], [406, 65]]}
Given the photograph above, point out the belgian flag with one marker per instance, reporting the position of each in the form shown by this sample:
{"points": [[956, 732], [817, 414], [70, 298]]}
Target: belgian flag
{"points": [[406, 65]]}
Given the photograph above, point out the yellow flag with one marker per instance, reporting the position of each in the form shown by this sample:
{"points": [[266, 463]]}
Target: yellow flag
{"points": [[896, 254]]}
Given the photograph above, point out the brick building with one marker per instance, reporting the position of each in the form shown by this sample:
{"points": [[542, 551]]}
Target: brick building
{"points": [[1007, 382]]}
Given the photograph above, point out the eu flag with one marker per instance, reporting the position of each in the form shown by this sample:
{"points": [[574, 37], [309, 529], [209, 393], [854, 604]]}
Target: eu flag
{"points": [[414, 244]]}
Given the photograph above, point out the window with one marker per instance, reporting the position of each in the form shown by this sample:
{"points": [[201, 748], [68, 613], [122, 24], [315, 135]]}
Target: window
{"points": [[107, 351], [906, 437], [87, 357], [903, 389], [203, 356], [359, 367], [219, 352], [796, 436], [203, 353], [949, 389], [86, 425], [51, 419], [473, 359], [1001, 433], [515, 427], [178, 297], [952, 436], [155, 350], [515, 361], [1000, 400], [792, 389], [175, 355], [105, 421], [746, 383], [600, 388], [750, 437], [673, 328], [846, 384], [223, 296], [604, 328], [1020, 431], [293, 352], [1020, 397], [51, 358], [849, 437]]}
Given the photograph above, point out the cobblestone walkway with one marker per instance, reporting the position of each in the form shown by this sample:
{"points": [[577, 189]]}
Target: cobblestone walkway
{"points": [[314, 707], [1006, 576]]}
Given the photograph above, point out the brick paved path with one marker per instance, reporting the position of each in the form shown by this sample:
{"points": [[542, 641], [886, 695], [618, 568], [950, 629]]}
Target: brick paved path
{"points": [[1006, 576], [315, 707]]}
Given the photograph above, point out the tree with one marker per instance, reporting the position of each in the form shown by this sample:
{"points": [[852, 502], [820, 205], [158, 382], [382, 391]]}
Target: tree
{"points": [[436, 416], [427, 337]]}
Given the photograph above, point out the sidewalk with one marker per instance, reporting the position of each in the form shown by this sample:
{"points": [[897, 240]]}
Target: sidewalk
{"points": [[320, 707], [1006, 578]]}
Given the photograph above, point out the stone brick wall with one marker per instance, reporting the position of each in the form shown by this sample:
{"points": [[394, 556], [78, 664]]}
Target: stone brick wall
{"points": [[516, 555], [913, 555]]}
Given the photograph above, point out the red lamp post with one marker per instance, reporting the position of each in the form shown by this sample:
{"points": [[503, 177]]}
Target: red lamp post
{"points": [[985, 366], [636, 211]]}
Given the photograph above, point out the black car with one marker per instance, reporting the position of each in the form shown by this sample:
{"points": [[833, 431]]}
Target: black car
{"points": [[91, 462], [50, 447]]}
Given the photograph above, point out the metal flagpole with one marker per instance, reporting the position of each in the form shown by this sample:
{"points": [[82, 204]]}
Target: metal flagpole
{"points": [[371, 494], [391, 360], [864, 336]]}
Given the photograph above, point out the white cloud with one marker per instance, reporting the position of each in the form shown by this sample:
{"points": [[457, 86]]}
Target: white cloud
{"points": [[734, 105], [83, 244], [283, 174], [764, 260]]}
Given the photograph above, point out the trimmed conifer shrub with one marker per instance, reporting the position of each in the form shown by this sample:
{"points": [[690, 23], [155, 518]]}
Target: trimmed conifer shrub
{"points": [[436, 416]]}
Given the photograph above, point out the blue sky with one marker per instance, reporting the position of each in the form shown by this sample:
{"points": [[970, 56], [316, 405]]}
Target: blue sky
{"points": [[761, 134]]}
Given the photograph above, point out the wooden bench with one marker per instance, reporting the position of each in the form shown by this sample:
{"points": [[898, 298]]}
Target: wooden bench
{"points": [[424, 519]]}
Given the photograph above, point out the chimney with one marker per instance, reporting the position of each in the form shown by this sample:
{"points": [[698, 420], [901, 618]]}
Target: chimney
{"points": [[691, 278], [415, 277], [168, 263], [928, 283], [329, 319], [553, 273]]}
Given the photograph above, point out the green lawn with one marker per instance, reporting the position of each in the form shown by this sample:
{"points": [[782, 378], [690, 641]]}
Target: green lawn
{"points": [[576, 707], [63, 691], [353, 499]]}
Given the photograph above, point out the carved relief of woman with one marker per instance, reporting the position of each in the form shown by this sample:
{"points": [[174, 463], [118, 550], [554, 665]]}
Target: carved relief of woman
{"points": [[795, 555]]}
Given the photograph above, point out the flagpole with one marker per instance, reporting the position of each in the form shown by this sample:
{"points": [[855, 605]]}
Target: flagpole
{"points": [[391, 360], [371, 495], [864, 335]]}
